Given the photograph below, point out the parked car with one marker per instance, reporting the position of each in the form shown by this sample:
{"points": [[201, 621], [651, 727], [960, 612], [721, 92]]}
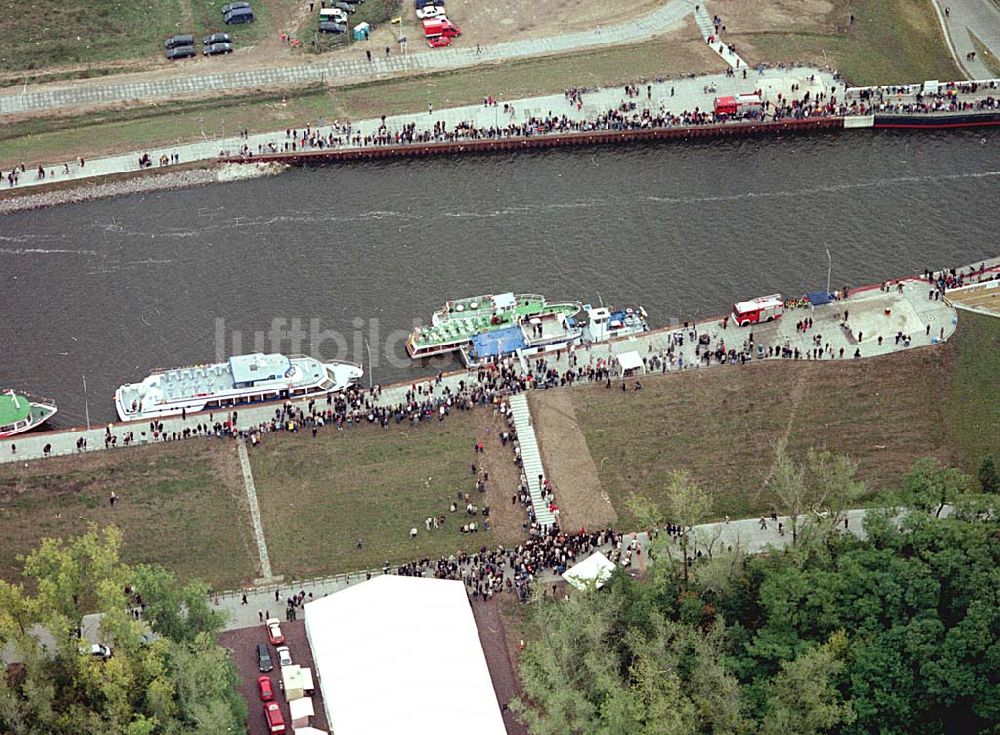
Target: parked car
{"points": [[274, 633], [332, 28], [181, 52], [178, 41], [239, 15], [216, 38], [226, 9], [275, 720], [355, 2], [263, 659], [218, 48], [424, 3], [334, 15], [438, 41], [98, 650], [265, 688], [346, 7], [284, 656], [430, 11]]}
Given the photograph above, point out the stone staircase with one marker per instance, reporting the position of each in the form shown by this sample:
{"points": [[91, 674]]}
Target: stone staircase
{"points": [[531, 459], [704, 21]]}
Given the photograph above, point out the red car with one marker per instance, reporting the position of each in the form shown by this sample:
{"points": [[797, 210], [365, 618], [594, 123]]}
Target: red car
{"points": [[275, 720], [266, 690], [274, 633]]}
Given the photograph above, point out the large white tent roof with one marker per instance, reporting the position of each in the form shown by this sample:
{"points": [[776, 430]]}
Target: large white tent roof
{"points": [[402, 655]]}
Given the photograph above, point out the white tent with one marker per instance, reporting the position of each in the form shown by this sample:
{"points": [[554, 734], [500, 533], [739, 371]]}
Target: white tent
{"points": [[631, 361], [402, 655], [596, 568], [302, 710]]}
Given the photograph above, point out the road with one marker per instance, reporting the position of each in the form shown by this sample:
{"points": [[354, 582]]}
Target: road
{"points": [[343, 71], [981, 17]]}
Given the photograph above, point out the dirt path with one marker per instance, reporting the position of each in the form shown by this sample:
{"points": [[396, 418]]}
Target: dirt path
{"points": [[568, 464], [493, 637], [507, 518]]}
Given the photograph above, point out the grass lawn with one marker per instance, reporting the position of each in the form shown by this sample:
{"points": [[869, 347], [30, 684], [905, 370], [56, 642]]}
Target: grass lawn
{"points": [[973, 407], [721, 423], [42, 34], [181, 505], [53, 139], [890, 42], [319, 496]]}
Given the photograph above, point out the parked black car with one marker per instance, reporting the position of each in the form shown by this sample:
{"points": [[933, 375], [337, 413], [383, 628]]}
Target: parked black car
{"points": [[216, 38], [238, 15], [327, 27], [226, 9], [215, 49], [181, 52], [346, 7], [180, 40], [263, 658]]}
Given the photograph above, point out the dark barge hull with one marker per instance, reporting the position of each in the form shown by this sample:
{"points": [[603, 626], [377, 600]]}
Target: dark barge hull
{"points": [[938, 121]]}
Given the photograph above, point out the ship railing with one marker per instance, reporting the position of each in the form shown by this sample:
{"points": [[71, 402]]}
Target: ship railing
{"points": [[39, 399], [341, 362]]}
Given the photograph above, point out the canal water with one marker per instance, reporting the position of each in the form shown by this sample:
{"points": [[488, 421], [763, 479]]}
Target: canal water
{"points": [[338, 261]]}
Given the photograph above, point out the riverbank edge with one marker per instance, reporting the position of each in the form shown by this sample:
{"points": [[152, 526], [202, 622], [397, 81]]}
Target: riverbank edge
{"points": [[234, 168], [109, 186], [986, 266]]}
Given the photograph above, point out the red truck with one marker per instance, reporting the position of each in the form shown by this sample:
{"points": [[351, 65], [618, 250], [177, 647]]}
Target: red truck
{"points": [[738, 105], [439, 31], [757, 311]]}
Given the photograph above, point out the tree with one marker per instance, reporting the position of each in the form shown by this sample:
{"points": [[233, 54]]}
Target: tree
{"points": [[930, 487], [803, 698], [788, 483], [989, 478], [182, 685], [687, 506]]}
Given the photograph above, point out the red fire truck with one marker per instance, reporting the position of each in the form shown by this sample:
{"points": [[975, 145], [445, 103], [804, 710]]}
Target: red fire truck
{"points": [[739, 105], [763, 309]]}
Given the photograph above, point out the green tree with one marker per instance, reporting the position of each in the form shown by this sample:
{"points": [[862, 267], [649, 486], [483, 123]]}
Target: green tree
{"points": [[989, 478], [930, 487], [804, 697], [55, 687]]}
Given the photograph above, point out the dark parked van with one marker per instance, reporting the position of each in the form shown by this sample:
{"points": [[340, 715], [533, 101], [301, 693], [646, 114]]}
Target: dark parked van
{"points": [[239, 15], [263, 658], [177, 41]]}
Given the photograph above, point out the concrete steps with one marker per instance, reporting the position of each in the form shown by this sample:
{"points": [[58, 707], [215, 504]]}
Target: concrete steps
{"points": [[531, 458]]}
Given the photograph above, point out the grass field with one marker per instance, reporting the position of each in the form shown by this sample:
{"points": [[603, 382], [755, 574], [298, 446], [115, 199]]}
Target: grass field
{"points": [[319, 496], [43, 34], [180, 505], [890, 42], [53, 139], [721, 424]]}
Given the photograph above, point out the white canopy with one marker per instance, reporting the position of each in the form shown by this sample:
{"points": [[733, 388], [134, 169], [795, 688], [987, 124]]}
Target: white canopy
{"points": [[309, 730], [631, 361], [302, 709], [596, 568], [402, 655]]}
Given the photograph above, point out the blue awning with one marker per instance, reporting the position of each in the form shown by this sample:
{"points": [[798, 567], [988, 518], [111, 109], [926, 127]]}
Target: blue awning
{"points": [[498, 342], [818, 298]]}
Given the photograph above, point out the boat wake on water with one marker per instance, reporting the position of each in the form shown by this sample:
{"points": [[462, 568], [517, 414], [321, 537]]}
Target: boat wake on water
{"points": [[831, 189]]}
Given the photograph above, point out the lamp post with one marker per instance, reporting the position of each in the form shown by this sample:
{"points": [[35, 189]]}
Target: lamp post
{"points": [[86, 402], [829, 270]]}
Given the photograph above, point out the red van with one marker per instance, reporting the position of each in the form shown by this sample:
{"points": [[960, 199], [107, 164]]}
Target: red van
{"points": [[275, 720], [439, 26]]}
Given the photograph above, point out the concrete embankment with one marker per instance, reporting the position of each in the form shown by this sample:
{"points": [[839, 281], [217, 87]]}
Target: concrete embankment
{"points": [[150, 180]]}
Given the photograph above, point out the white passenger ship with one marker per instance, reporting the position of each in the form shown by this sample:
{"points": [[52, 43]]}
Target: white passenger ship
{"points": [[241, 381]]}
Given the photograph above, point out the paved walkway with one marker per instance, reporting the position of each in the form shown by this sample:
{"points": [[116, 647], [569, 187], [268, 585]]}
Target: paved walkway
{"points": [[344, 70], [981, 17], [709, 538], [872, 314], [675, 96]]}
